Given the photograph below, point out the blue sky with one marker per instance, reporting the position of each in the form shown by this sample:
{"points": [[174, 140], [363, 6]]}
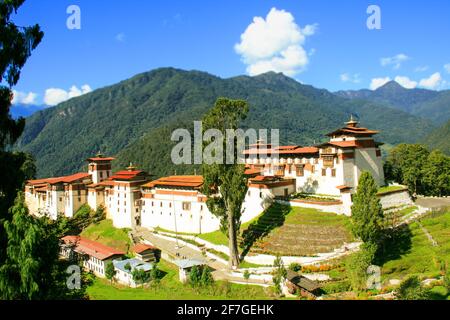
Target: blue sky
{"points": [[328, 43]]}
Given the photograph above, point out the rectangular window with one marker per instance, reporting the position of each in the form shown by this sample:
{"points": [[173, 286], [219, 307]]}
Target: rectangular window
{"points": [[324, 172], [299, 171], [101, 175], [186, 206], [333, 172]]}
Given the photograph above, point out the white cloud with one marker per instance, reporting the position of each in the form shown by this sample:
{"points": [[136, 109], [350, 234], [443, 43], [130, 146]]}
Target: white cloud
{"points": [[54, 96], [378, 82], [406, 82], [433, 82], [275, 44], [354, 78], [421, 69], [120, 37], [23, 97], [447, 67], [396, 61]]}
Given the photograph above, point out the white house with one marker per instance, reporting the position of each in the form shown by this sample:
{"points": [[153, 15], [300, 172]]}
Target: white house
{"points": [[94, 255], [124, 270]]}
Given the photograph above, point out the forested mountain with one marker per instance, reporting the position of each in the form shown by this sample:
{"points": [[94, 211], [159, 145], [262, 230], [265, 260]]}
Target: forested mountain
{"points": [[439, 139], [134, 119], [429, 104]]}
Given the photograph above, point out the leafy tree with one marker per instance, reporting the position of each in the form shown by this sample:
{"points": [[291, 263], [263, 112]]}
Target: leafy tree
{"points": [[279, 274], [357, 265], [225, 184], [140, 276], [246, 275], [294, 266], [155, 274], [436, 174], [110, 271], [405, 163], [128, 267], [206, 277], [412, 289], [195, 276], [367, 212], [16, 44], [32, 269]]}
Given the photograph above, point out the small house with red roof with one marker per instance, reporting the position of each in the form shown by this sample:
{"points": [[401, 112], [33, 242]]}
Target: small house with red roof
{"points": [[93, 255], [146, 252]]}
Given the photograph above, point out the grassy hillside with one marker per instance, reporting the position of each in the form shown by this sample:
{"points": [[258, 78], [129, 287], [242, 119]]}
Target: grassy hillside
{"points": [[134, 119], [105, 233], [291, 231]]}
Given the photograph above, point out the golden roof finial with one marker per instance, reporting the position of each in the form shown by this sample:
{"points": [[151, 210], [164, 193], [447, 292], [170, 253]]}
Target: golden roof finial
{"points": [[352, 122]]}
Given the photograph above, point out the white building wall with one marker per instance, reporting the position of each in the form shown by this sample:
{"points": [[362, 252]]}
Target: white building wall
{"points": [[166, 211]]}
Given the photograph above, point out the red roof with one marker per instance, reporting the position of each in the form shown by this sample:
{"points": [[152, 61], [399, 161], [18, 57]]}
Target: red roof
{"points": [[283, 150], [96, 159], [141, 247], [86, 246], [251, 171], [65, 179], [177, 181], [343, 187], [126, 175], [344, 144], [353, 131]]}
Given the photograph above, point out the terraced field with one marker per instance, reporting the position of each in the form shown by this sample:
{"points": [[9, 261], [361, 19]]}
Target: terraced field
{"points": [[296, 232]]}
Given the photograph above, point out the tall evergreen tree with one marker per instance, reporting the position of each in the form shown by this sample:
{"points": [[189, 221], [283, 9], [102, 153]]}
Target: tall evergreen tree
{"points": [[405, 163], [225, 184], [436, 174], [367, 213], [16, 44], [32, 269]]}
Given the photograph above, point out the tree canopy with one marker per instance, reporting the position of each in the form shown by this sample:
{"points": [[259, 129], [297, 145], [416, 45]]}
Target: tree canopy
{"points": [[225, 184]]}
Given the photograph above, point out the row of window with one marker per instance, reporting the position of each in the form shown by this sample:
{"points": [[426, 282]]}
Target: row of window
{"points": [[185, 205], [324, 172]]}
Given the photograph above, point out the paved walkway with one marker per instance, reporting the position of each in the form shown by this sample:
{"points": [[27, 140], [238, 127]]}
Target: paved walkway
{"points": [[433, 203], [221, 271]]}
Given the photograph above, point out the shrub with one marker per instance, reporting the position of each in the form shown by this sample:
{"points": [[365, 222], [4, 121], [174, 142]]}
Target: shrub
{"points": [[411, 289], [337, 287], [294, 266]]}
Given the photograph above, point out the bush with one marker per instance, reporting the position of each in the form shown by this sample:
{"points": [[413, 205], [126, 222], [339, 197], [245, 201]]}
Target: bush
{"points": [[200, 276], [294, 266], [337, 287], [357, 266], [411, 289]]}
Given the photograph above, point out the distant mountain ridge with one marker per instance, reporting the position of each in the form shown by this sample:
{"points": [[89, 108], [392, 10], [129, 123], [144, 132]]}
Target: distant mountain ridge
{"points": [[429, 104], [133, 120], [25, 110]]}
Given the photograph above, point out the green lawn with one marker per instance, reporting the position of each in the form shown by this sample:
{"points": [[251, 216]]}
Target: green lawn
{"points": [[219, 238], [171, 288], [105, 233], [413, 254], [390, 189]]}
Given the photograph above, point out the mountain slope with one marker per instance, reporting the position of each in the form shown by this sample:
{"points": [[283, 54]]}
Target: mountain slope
{"points": [[134, 118], [439, 139], [433, 105]]}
